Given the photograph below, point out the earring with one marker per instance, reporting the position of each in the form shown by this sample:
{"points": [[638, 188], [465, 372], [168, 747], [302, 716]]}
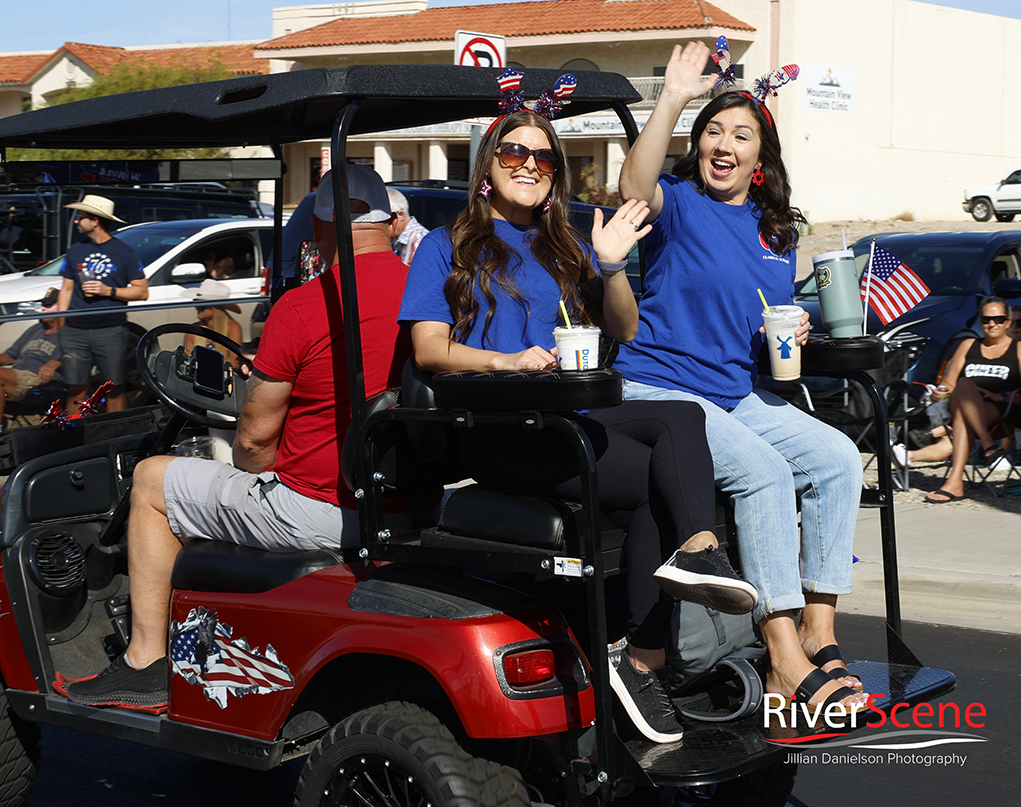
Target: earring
{"points": [[758, 177], [547, 203], [486, 187]]}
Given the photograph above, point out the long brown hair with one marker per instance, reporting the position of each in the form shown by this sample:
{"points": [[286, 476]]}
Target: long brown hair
{"points": [[480, 259], [778, 221]]}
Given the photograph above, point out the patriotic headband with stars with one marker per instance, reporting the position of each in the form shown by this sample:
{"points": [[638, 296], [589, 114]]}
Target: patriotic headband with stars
{"points": [[548, 105], [763, 87]]}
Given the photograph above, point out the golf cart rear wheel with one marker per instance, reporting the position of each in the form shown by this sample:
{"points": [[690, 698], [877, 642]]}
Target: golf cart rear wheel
{"points": [[397, 755], [19, 755]]}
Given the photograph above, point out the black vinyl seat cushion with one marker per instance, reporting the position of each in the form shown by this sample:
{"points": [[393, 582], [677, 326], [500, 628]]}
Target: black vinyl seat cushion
{"points": [[219, 566], [524, 520]]}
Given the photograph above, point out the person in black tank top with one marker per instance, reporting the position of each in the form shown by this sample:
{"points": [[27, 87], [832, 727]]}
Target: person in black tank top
{"points": [[984, 376]]}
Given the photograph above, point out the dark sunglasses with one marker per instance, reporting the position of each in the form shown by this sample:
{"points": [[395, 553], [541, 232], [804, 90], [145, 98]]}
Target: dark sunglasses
{"points": [[997, 320], [514, 154]]}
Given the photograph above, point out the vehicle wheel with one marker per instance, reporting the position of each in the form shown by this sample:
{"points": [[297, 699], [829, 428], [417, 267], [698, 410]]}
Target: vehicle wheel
{"points": [[19, 754], [981, 210], [398, 754], [1005, 217]]}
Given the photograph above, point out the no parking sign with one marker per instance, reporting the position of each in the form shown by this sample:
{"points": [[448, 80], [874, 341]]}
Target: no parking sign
{"points": [[480, 50]]}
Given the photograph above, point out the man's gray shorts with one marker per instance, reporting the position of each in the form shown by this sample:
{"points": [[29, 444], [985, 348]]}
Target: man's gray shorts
{"points": [[208, 499], [106, 348]]}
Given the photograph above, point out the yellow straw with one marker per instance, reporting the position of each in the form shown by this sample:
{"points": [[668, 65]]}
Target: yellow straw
{"points": [[567, 319], [765, 305]]}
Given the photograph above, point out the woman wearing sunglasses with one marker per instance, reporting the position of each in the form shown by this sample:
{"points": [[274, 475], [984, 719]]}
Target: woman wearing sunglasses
{"points": [[983, 378], [724, 228], [484, 294]]}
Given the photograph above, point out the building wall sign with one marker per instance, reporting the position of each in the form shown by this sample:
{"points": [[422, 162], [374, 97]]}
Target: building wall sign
{"points": [[826, 88]]}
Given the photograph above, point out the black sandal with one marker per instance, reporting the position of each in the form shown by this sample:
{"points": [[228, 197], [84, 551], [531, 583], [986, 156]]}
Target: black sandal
{"points": [[832, 653], [815, 681]]}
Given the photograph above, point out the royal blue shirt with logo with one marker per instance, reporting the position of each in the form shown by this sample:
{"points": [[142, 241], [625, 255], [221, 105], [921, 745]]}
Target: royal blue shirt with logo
{"points": [[700, 315], [113, 263], [516, 324]]}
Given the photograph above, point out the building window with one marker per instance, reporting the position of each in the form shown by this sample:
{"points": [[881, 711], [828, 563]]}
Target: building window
{"points": [[26, 103], [580, 64], [315, 167]]}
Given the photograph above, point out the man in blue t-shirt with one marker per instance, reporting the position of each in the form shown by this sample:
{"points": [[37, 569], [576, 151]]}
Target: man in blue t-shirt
{"points": [[101, 275], [32, 360]]}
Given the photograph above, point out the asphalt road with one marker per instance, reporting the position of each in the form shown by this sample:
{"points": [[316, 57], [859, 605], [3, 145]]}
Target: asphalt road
{"points": [[95, 772]]}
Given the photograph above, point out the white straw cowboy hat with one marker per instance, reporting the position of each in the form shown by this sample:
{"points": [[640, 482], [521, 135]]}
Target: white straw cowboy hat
{"points": [[96, 206], [212, 290]]}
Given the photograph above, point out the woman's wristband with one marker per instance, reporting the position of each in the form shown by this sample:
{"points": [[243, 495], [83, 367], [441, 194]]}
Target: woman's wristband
{"points": [[608, 269]]}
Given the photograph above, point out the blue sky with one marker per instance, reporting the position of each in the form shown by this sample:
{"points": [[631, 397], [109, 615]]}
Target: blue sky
{"points": [[47, 24]]}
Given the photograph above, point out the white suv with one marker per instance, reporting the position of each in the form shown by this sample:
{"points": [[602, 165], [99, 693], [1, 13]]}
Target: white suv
{"points": [[171, 253], [1002, 200]]}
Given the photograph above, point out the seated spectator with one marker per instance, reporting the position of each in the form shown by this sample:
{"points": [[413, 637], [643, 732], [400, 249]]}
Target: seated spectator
{"points": [[984, 376], [1015, 321], [295, 417], [32, 360], [219, 263], [216, 318], [408, 231]]}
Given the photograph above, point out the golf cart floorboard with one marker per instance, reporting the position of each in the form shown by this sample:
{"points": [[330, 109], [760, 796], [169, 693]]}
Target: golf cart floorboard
{"points": [[714, 752]]}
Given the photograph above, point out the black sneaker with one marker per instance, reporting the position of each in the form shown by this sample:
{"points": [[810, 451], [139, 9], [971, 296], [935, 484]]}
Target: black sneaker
{"points": [[707, 578], [644, 698], [921, 438], [122, 685]]}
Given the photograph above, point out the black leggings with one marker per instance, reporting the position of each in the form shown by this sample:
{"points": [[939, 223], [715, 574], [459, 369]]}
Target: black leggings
{"points": [[652, 458]]}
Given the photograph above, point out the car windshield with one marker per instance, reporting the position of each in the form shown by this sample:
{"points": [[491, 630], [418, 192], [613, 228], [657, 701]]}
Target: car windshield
{"points": [[150, 242], [944, 266]]}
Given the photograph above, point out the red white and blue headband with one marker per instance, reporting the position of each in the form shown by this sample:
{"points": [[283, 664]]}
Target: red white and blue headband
{"points": [[762, 87], [548, 105]]}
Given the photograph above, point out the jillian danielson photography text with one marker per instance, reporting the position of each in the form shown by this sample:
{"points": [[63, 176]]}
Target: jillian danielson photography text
{"points": [[888, 758]]}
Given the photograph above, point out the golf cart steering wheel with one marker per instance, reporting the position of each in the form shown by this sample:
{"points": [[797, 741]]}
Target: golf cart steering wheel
{"points": [[163, 372]]}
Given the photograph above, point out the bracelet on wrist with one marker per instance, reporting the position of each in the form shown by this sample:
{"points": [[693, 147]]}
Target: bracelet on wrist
{"points": [[608, 269], [113, 292]]}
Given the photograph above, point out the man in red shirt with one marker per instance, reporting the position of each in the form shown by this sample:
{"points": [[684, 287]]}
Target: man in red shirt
{"points": [[284, 492]]}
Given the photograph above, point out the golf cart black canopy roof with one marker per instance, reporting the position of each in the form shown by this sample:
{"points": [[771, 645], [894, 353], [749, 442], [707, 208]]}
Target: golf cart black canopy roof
{"points": [[288, 107]]}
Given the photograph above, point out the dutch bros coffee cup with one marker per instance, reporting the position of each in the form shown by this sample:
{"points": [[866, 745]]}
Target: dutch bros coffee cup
{"points": [[577, 347]]}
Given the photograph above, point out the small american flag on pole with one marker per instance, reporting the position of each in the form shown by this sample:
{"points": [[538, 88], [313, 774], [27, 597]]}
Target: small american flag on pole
{"points": [[890, 287]]}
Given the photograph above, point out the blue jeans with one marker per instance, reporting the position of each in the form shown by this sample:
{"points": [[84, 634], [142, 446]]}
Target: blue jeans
{"points": [[769, 455]]}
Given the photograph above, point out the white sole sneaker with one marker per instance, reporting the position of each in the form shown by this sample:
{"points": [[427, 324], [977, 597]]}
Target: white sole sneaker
{"points": [[616, 657], [729, 595]]}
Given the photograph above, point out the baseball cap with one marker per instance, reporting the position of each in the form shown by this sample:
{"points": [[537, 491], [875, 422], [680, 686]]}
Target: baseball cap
{"points": [[365, 185]]}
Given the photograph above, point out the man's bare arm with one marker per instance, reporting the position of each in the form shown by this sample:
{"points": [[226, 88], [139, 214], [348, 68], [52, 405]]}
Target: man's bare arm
{"points": [[267, 401]]}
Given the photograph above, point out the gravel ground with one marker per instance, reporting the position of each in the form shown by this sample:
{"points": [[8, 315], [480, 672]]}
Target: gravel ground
{"points": [[925, 478]]}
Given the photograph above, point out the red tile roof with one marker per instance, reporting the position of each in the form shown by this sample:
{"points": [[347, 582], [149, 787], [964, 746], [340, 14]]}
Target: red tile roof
{"points": [[542, 18], [238, 59], [18, 68]]}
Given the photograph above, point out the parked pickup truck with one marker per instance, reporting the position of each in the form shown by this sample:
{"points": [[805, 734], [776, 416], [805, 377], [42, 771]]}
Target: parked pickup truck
{"points": [[1002, 200]]}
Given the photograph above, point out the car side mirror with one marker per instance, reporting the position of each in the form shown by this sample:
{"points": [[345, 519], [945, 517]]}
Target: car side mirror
{"points": [[1009, 288], [187, 273]]}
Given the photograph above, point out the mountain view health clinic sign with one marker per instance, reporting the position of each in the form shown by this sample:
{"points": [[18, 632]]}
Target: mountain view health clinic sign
{"points": [[826, 88]]}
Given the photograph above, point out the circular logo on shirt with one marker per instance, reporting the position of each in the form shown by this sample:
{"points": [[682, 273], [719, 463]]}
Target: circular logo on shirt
{"points": [[100, 265]]}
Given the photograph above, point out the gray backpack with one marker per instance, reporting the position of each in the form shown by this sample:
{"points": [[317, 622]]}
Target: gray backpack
{"points": [[713, 659]]}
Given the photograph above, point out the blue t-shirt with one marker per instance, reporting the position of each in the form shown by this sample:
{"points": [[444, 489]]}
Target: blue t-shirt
{"points": [[113, 263], [700, 315], [517, 324], [34, 348]]}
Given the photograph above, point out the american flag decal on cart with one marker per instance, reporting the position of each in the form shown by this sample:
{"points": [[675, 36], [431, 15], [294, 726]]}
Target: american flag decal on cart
{"points": [[203, 653]]}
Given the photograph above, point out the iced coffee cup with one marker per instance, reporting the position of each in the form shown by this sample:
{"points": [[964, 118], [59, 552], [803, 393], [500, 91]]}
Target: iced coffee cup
{"points": [[784, 350], [577, 347]]}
